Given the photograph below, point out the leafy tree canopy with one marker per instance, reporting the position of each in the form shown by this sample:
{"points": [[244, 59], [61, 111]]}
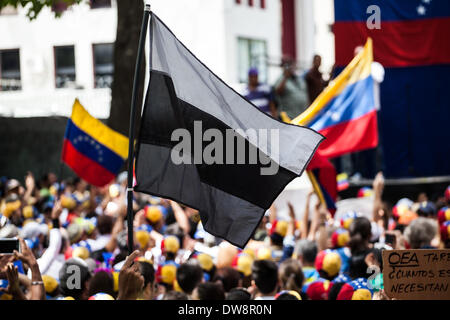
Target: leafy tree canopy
{"points": [[34, 7]]}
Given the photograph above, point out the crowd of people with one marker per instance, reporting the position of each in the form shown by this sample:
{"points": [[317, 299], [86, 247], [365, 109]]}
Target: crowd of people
{"points": [[74, 245]]}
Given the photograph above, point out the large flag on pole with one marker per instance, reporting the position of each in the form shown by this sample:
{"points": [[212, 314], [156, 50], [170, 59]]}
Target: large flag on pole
{"points": [[345, 111], [197, 138], [94, 151]]}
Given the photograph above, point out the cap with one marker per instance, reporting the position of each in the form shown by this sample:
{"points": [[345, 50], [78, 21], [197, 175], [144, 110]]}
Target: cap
{"points": [[68, 202], [253, 71], [406, 217], [166, 273], [101, 296], [142, 237], [80, 252], [347, 218], [75, 231], [153, 213], [445, 230], [355, 290], [170, 244], [328, 261], [243, 263], [292, 293], [280, 227], [206, 262], [264, 253], [364, 192], [444, 215], [340, 237], [50, 283], [319, 289]]}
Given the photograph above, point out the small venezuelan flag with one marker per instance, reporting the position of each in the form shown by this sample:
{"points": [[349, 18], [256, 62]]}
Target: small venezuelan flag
{"points": [[94, 151], [342, 181]]}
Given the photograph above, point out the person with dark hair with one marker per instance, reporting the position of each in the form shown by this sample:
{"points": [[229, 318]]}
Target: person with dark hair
{"points": [[306, 252], [175, 295], [238, 294], [265, 279], [148, 272], [360, 233], [291, 275], [189, 275], [208, 291], [229, 277], [101, 282], [73, 279]]}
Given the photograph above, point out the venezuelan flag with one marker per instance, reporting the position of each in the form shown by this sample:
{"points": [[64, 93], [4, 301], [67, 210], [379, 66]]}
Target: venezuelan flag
{"points": [[345, 111], [94, 151]]}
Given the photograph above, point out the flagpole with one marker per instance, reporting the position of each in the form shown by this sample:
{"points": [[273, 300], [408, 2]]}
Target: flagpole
{"points": [[131, 128]]}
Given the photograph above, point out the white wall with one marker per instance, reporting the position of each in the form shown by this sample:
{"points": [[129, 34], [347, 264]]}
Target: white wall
{"points": [[199, 25], [313, 34], [79, 26], [254, 22]]}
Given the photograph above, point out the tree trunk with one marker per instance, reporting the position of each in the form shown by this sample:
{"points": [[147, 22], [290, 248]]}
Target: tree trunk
{"points": [[129, 19]]}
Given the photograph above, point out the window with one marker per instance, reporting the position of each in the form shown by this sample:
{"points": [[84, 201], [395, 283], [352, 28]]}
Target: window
{"points": [[252, 53], [263, 4], [103, 65], [10, 70], [65, 67], [95, 4]]}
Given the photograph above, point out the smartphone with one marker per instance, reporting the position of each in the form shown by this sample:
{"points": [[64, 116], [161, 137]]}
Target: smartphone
{"points": [[390, 239], [8, 245]]}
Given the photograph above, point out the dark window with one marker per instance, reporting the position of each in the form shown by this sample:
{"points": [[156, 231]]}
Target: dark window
{"points": [[263, 4], [238, 1], [95, 4], [65, 67], [103, 65], [10, 70], [250, 3]]}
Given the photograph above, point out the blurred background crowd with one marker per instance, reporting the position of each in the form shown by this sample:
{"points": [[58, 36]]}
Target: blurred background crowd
{"points": [[74, 246]]}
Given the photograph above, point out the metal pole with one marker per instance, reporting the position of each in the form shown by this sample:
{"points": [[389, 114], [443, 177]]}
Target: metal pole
{"points": [[131, 128]]}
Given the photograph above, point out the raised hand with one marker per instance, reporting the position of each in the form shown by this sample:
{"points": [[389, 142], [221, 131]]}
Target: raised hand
{"points": [[131, 281], [26, 255]]}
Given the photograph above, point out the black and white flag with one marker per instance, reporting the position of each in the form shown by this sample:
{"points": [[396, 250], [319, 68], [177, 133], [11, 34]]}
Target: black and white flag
{"points": [[204, 145]]}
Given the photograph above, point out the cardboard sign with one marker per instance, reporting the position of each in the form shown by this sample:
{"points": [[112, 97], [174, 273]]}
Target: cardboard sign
{"points": [[417, 274]]}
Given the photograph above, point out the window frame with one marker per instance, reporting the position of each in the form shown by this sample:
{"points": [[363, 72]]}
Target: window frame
{"points": [[1, 64], [94, 64]]}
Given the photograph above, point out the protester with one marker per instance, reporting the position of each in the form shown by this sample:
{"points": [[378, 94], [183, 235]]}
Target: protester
{"points": [[290, 90], [259, 94], [314, 79]]}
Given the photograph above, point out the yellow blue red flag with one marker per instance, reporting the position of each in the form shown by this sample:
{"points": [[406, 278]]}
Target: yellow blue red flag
{"points": [[94, 151]]}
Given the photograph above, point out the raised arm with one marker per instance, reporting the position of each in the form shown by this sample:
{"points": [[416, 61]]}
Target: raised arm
{"points": [[180, 216]]}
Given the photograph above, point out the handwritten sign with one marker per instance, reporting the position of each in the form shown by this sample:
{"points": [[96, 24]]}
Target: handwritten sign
{"points": [[417, 274]]}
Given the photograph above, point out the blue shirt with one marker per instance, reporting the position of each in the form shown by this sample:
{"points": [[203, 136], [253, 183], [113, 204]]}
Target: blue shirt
{"points": [[260, 97]]}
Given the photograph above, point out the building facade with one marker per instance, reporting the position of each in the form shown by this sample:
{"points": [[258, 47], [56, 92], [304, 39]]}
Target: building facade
{"points": [[48, 62]]}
